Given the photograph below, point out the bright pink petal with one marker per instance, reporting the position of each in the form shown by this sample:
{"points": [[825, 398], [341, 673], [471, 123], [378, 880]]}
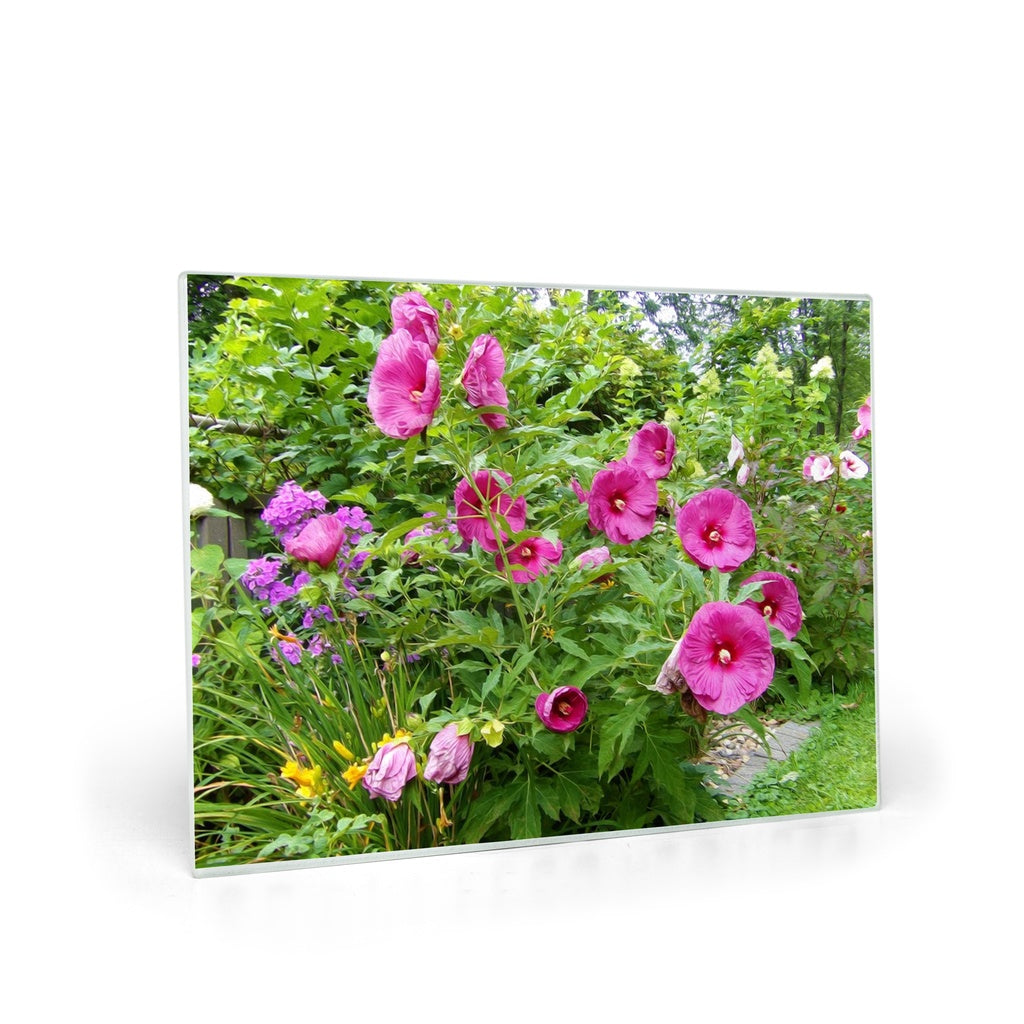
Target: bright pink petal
{"points": [[779, 602], [726, 656], [405, 386], [651, 450], [716, 528], [411, 312], [471, 510], [623, 502], [563, 709], [531, 558]]}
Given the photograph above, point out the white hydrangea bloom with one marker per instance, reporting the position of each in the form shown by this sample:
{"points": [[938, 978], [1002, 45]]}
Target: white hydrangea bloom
{"points": [[200, 500], [823, 368]]}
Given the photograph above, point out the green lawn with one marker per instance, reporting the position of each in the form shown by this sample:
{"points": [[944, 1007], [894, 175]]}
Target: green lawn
{"points": [[835, 769]]}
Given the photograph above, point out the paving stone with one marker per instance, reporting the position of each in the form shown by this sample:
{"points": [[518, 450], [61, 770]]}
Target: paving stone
{"points": [[782, 741]]}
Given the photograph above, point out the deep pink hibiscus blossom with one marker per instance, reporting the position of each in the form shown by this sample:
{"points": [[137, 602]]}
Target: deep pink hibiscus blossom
{"points": [[318, 541], [779, 602], [471, 509], [531, 558], [481, 378], [623, 502], [726, 656], [651, 450], [717, 529], [411, 312], [563, 709], [405, 386]]}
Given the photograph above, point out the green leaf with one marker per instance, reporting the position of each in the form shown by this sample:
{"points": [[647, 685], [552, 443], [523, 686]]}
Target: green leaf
{"points": [[207, 559], [747, 591], [491, 681], [693, 580], [616, 735], [488, 808], [570, 647], [215, 401]]}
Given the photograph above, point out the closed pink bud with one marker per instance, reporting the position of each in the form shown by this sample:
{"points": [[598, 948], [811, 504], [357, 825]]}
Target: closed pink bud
{"points": [[449, 757], [318, 541]]}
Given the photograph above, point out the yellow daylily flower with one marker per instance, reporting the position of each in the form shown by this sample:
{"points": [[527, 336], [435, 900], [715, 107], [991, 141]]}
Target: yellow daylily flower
{"points": [[353, 774], [309, 781]]}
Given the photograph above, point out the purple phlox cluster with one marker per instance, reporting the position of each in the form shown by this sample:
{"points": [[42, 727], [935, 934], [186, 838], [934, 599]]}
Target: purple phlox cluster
{"points": [[357, 526], [289, 650], [262, 579], [313, 614], [290, 507]]}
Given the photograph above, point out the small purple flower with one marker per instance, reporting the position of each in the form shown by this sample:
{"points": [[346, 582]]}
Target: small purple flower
{"points": [[563, 709], [196, 658], [289, 507], [288, 649], [260, 574], [313, 615], [449, 757]]}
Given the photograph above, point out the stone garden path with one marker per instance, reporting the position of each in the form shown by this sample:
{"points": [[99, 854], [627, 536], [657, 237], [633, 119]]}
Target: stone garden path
{"points": [[739, 755]]}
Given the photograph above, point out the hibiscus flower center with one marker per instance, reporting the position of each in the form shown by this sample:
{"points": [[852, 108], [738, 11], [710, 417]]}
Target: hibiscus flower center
{"points": [[713, 536], [526, 552], [563, 707], [767, 610], [659, 455], [618, 503], [415, 395], [724, 655]]}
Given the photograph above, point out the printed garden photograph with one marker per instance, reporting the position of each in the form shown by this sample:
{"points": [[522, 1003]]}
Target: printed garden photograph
{"points": [[478, 564]]}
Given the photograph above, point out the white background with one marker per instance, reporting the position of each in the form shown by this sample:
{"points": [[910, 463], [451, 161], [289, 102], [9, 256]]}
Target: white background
{"points": [[763, 147]]}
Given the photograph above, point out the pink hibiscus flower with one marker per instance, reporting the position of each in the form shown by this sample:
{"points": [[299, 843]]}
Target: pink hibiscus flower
{"points": [[726, 656], [623, 502], [318, 541], [411, 312], [488, 493], [779, 602], [531, 558], [850, 467], [717, 529], [651, 450], [863, 427], [405, 386], [481, 378], [563, 709], [818, 467]]}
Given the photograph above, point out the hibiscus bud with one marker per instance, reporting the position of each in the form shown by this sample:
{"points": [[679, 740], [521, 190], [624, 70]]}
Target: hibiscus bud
{"points": [[318, 541], [449, 757]]}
